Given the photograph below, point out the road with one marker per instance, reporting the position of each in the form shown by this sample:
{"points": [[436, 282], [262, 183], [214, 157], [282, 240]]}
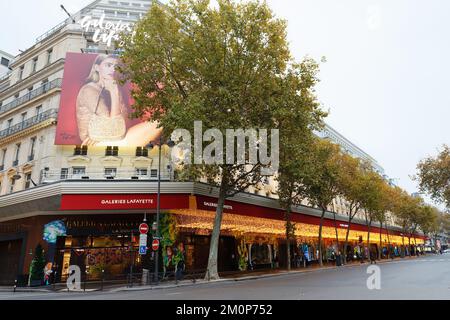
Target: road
{"points": [[423, 278]]}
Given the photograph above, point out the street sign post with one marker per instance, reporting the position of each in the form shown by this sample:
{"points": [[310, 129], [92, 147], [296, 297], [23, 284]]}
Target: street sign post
{"points": [[143, 244], [143, 228], [155, 244]]}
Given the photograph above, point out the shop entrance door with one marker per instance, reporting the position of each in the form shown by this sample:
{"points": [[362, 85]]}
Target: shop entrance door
{"points": [[227, 254], [9, 261]]}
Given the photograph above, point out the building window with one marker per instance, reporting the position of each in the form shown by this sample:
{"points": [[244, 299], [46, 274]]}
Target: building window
{"points": [[27, 180], [38, 110], [9, 123], [110, 172], [154, 173], [2, 163], [112, 151], [16, 96], [5, 62], [141, 152], [49, 56], [141, 172], [21, 72], [64, 173], [34, 65], [80, 151], [23, 117], [11, 188], [16, 159], [78, 171], [32, 146]]}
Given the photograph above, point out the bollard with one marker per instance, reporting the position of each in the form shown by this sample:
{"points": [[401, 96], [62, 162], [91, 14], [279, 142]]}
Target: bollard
{"points": [[54, 281], [103, 277]]}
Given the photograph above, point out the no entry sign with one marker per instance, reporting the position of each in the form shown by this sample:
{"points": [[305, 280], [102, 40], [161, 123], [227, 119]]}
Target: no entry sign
{"points": [[143, 228], [155, 244]]}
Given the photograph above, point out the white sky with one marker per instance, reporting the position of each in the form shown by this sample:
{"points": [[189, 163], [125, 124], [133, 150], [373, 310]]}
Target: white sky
{"points": [[384, 81]]}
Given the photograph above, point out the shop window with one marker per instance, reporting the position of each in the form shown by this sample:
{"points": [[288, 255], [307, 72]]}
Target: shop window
{"points": [[80, 151]]}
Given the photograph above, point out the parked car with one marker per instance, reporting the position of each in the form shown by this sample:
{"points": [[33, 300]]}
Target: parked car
{"points": [[446, 251]]}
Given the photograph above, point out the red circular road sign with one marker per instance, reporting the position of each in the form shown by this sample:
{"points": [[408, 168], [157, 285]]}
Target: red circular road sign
{"points": [[143, 228], [155, 244]]}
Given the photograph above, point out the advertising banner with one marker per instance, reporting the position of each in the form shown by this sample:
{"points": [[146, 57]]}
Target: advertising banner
{"points": [[95, 110]]}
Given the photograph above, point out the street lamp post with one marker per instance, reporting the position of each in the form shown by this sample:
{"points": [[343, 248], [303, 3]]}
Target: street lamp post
{"points": [[158, 204]]}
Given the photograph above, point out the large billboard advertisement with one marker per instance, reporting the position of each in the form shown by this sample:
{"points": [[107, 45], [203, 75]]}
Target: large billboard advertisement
{"points": [[95, 109]]}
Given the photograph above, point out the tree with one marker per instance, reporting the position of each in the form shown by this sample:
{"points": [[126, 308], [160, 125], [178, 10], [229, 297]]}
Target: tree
{"points": [[296, 141], [37, 265], [434, 176], [401, 211], [322, 186], [228, 67], [351, 185], [374, 200]]}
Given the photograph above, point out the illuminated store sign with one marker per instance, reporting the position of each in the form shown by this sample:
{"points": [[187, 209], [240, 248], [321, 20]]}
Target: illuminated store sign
{"points": [[104, 31]]}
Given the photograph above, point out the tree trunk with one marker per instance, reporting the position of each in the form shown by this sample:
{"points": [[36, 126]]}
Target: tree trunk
{"points": [[335, 228], [381, 242], [368, 238], [346, 238], [320, 236], [409, 246], [288, 238], [389, 240], [212, 272]]}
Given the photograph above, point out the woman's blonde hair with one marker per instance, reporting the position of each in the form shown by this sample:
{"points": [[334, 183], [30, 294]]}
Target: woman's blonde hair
{"points": [[93, 75]]}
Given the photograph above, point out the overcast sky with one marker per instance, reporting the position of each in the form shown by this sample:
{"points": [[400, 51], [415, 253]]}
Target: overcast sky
{"points": [[385, 80]]}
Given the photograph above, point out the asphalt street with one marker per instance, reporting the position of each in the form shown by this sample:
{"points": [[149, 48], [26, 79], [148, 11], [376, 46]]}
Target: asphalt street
{"points": [[426, 277]]}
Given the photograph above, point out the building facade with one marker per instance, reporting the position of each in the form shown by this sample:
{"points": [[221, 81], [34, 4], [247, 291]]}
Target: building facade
{"points": [[84, 204]]}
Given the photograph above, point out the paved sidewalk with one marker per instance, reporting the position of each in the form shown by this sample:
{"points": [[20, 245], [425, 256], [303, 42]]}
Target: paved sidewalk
{"points": [[252, 275]]}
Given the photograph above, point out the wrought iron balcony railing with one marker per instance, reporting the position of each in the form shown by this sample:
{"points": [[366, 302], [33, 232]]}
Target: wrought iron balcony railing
{"points": [[31, 95], [28, 123], [99, 174]]}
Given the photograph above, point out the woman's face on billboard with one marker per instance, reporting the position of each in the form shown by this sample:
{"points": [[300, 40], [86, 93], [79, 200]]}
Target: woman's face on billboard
{"points": [[107, 69]]}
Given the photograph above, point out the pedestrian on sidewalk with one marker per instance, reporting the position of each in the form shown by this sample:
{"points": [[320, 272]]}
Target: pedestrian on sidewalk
{"points": [[373, 257]]}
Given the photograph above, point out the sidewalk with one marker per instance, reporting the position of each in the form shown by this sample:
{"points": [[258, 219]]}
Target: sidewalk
{"points": [[239, 276], [254, 275]]}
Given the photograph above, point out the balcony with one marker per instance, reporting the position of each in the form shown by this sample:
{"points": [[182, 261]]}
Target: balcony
{"points": [[51, 176], [49, 114], [32, 94]]}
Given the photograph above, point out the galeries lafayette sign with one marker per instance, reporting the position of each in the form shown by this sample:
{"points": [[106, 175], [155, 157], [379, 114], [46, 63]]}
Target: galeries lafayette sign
{"points": [[121, 201]]}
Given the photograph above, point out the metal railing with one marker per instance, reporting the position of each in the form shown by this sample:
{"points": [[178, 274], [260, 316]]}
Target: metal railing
{"points": [[32, 94], [52, 30], [51, 176], [48, 114]]}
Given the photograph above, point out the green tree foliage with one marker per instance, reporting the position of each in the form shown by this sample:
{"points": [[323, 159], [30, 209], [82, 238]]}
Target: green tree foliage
{"points": [[434, 176], [322, 185], [227, 66]]}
